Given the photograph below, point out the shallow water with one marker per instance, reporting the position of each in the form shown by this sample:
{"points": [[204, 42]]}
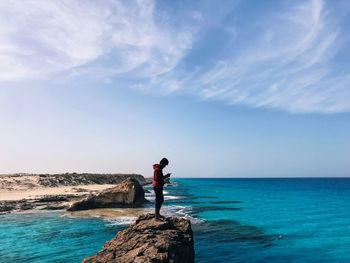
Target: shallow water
{"points": [[234, 220]]}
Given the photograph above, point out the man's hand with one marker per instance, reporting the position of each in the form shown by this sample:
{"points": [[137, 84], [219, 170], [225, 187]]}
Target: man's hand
{"points": [[168, 175]]}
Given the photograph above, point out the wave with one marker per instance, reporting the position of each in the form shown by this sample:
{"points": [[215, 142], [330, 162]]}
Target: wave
{"points": [[151, 196], [181, 211], [172, 197], [167, 210], [122, 221]]}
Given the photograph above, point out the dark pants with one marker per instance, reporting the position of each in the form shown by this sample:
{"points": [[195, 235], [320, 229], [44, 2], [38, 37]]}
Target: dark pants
{"points": [[159, 196]]}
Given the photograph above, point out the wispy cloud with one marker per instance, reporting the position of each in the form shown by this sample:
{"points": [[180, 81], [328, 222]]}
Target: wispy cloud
{"points": [[289, 64], [41, 38], [284, 58]]}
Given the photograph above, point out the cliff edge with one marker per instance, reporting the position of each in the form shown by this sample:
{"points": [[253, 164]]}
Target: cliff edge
{"points": [[148, 240]]}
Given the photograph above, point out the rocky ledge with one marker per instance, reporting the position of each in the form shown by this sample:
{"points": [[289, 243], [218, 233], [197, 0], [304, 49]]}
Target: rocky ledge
{"points": [[129, 193], [149, 240]]}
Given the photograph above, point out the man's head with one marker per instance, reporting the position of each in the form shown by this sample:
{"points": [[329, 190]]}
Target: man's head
{"points": [[164, 162]]}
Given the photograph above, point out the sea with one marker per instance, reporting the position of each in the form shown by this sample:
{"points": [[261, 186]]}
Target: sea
{"points": [[233, 220]]}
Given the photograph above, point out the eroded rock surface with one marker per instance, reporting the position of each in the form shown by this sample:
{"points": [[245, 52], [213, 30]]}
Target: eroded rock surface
{"points": [[129, 193], [148, 240]]}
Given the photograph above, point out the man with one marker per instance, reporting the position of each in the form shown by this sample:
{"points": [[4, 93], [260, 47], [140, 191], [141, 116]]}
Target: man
{"points": [[158, 183]]}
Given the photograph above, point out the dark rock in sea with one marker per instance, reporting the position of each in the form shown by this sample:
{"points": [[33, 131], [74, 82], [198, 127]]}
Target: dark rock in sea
{"points": [[5, 207], [26, 206], [232, 232], [53, 198], [56, 206], [148, 240], [129, 193]]}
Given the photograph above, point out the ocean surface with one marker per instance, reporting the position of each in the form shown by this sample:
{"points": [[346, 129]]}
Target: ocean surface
{"points": [[234, 220]]}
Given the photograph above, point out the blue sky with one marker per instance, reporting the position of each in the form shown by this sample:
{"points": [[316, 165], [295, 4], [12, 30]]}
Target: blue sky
{"points": [[229, 88]]}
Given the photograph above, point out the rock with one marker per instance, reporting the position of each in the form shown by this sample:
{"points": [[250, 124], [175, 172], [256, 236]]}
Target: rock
{"points": [[26, 206], [53, 198], [57, 206], [129, 193], [75, 179], [148, 240], [31, 181], [23, 182], [5, 207], [79, 190]]}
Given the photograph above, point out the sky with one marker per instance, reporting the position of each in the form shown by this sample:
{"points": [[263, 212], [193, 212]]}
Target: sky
{"points": [[220, 88]]}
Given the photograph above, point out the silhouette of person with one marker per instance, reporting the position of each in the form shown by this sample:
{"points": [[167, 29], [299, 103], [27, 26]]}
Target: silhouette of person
{"points": [[158, 183]]}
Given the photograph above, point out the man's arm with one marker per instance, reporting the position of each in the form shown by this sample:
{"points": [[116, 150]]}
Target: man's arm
{"points": [[167, 175]]}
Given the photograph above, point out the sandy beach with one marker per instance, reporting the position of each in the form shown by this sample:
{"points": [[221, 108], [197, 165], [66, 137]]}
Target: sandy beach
{"points": [[19, 193]]}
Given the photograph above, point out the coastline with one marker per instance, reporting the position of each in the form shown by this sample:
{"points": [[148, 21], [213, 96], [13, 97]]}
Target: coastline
{"points": [[22, 192], [79, 190]]}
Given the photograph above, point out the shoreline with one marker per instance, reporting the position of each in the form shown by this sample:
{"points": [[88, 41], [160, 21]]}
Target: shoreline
{"points": [[23, 192], [79, 190]]}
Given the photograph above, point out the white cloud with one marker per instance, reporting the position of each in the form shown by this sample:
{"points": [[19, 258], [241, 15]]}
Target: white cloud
{"points": [[40, 38], [45, 37], [288, 63]]}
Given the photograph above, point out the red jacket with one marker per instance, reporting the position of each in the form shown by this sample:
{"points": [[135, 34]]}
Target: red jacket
{"points": [[158, 177]]}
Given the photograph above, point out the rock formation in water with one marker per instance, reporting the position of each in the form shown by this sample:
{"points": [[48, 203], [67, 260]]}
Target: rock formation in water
{"points": [[148, 240], [129, 193]]}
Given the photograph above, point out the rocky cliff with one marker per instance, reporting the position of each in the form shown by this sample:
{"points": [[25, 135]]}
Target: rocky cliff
{"points": [[129, 193], [148, 240]]}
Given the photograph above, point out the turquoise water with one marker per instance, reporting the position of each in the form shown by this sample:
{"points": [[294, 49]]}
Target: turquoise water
{"points": [[234, 220], [49, 237], [275, 220]]}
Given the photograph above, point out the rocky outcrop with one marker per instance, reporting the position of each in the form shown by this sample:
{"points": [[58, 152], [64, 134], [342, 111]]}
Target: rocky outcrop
{"points": [[129, 193], [148, 240], [47, 202], [69, 179], [32, 181]]}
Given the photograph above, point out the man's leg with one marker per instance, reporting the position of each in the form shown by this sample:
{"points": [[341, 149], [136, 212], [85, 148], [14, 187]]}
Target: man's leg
{"points": [[161, 200], [158, 202], [157, 215]]}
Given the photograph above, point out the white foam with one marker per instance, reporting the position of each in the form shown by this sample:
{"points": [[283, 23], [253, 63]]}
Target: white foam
{"points": [[181, 211], [171, 210], [172, 197], [151, 198], [122, 221]]}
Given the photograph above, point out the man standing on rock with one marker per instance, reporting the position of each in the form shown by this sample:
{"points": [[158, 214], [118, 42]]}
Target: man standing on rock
{"points": [[158, 183]]}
